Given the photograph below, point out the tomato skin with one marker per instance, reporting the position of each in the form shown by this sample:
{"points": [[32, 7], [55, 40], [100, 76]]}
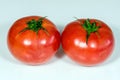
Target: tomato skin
{"points": [[32, 48], [99, 47]]}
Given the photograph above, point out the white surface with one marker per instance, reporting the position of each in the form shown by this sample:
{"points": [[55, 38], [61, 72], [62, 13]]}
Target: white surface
{"points": [[60, 12]]}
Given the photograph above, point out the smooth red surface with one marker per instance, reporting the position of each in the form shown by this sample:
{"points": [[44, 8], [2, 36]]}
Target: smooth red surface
{"points": [[29, 47], [99, 48]]}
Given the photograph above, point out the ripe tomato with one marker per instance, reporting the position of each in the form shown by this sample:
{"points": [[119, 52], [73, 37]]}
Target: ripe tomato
{"points": [[88, 42], [33, 40]]}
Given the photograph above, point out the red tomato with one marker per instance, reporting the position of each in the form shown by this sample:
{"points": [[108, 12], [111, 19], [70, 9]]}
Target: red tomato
{"points": [[33, 39], [88, 42]]}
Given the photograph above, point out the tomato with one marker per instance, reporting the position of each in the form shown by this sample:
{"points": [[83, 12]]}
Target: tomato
{"points": [[33, 40], [88, 42]]}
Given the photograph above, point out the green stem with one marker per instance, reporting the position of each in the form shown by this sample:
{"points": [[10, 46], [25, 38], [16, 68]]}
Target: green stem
{"points": [[35, 25], [90, 28]]}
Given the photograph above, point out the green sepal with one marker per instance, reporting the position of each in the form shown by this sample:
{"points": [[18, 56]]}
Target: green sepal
{"points": [[35, 25], [90, 28]]}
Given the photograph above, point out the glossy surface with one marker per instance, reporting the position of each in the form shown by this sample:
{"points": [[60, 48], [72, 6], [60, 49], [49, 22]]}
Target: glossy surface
{"points": [[99, 47], [32, 48], [60, 12]]}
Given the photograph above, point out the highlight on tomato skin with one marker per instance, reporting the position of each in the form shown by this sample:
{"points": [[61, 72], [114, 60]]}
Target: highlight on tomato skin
{"points": [[88, 42], [33, 40]]}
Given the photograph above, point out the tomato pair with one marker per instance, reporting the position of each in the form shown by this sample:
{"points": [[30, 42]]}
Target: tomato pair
{"points": [[34, 40]]}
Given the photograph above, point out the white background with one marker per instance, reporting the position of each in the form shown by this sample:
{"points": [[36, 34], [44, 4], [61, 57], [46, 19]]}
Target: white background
{"points": [[61, 12]]}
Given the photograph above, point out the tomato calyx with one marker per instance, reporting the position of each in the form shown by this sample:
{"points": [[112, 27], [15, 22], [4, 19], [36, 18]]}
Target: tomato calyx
{"points": [[90, 28], [35, 25]]}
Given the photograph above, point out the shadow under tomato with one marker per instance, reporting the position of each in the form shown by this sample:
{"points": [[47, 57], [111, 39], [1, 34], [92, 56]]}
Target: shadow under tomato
{"points": [[60, 54]]}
